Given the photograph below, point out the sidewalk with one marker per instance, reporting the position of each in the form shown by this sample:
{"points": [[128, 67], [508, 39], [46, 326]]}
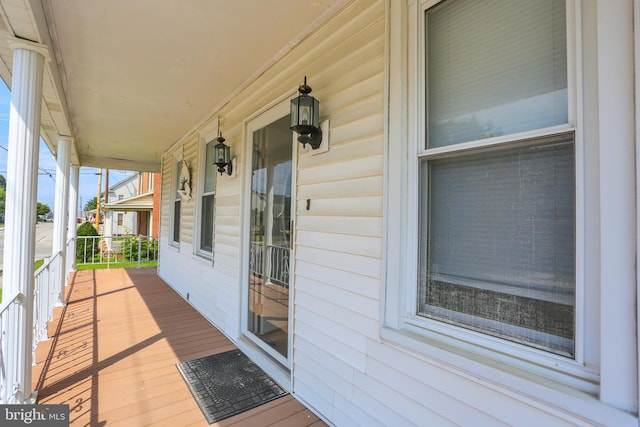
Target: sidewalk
{"points": [[44, 244]]}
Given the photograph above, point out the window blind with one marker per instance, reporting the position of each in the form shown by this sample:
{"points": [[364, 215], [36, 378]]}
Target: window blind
{"points": [[499, 242], [494, 67]]}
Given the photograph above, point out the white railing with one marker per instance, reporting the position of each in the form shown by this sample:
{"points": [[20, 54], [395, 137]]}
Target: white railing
{"points": [[256, 259], [45, 296], [279, 265], [276, 263], [115, 251], [8, 310], [46, 289]]}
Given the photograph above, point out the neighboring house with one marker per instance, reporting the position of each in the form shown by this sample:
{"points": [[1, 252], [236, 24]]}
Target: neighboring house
{"points": [[130, 209], [461, 250]]}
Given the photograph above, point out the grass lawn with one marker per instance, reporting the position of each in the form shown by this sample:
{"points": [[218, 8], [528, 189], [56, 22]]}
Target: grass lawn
{"points": [[101, 265]]}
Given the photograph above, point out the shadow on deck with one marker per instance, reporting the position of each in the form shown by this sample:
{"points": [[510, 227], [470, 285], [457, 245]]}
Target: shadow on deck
{"points": [[113, 353]]}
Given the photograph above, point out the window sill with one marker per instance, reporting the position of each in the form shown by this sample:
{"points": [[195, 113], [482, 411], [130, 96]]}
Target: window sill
{"points": [[574, 404], [205, 257], [504, 363]]}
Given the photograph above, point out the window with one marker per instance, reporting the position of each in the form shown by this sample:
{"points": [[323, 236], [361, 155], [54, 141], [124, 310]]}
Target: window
{"points": [[120, 196], [176, 202], [207, 204], [474, 211], [497, 173], [120, 219]]}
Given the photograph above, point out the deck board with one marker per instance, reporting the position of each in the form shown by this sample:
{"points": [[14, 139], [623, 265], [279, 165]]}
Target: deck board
{"points": [[113, 354]]}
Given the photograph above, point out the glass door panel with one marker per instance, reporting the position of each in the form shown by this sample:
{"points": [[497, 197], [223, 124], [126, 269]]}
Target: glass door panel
{"points": [[270, 230]]}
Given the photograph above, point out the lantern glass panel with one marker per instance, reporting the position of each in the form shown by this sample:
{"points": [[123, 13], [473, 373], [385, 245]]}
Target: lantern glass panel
{"points": [[306, 110], [294, 112], [315, 113], [221, 153]]}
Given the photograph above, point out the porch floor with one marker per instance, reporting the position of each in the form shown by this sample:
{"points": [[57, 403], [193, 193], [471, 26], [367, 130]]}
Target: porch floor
{"points": [[113, 353]]}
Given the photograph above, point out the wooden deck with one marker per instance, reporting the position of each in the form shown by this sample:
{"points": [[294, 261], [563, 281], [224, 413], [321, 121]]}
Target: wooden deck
{"points": [[113, 353]]}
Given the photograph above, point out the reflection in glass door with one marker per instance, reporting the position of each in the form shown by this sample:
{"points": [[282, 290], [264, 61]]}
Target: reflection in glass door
{"points": [[270, 231]]}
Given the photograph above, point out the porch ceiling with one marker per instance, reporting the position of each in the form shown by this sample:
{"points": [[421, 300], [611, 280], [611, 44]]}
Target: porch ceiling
{"points": [[129, 78]]}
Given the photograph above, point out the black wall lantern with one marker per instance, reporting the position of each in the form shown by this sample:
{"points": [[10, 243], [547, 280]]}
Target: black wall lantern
{"points": [[305, 117], [222, 156]]}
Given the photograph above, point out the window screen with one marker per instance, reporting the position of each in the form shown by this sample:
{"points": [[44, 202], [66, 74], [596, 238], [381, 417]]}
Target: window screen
{"points": [[498, 222], [500, 243]]}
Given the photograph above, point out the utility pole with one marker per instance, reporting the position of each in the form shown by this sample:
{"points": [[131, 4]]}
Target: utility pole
{"points": [[98, 202], [106, 187]]}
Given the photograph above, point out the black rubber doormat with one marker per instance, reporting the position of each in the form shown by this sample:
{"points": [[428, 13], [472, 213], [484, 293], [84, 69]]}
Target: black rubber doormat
{"points": [[227, 384]]}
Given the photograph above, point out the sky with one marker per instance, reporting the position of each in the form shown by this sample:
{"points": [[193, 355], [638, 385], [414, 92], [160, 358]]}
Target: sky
{"points": [[47, 164]]}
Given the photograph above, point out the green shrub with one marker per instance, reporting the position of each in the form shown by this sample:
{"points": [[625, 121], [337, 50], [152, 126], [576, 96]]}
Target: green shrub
{"points": [[93, 245], [148, 249]]}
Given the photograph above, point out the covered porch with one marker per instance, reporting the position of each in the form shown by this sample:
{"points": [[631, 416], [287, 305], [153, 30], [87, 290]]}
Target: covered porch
{"points": [[114, 90], [113, 352]]}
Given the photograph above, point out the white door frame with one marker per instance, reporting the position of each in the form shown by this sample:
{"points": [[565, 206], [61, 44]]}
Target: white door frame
{"points": [[260, 120]]}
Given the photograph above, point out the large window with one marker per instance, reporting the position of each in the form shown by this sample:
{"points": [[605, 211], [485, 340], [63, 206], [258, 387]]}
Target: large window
{"points": [[497, 173], [207, 202]]}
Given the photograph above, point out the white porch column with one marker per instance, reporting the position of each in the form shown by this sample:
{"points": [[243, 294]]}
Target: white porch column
{"points": [[72, 227], [618, 343], [108, 226], [20, 211], [60, 221]]}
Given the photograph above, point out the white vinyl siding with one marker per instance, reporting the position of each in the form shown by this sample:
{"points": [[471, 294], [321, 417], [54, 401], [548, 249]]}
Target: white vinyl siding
{"points": [[166, 199], [355, 359], [190, 155], [339, 239]]}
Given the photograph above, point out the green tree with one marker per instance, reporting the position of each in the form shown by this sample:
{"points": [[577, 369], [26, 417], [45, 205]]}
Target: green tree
{"points": [[3, 195], [87, 248], [91, 204], [43, 209]]}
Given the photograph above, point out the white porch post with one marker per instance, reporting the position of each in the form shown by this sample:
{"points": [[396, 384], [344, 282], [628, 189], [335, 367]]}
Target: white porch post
{"points": [[20, 212], [108, 226], [61, 207], [72, 229], [619, 361]]}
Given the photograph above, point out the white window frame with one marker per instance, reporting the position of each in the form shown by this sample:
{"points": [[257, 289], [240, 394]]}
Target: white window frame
{"points": [[450, 344], [208, 135]]}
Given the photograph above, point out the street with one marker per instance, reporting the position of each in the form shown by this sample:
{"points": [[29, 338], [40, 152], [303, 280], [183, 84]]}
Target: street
{"points": [[44, 243]]}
